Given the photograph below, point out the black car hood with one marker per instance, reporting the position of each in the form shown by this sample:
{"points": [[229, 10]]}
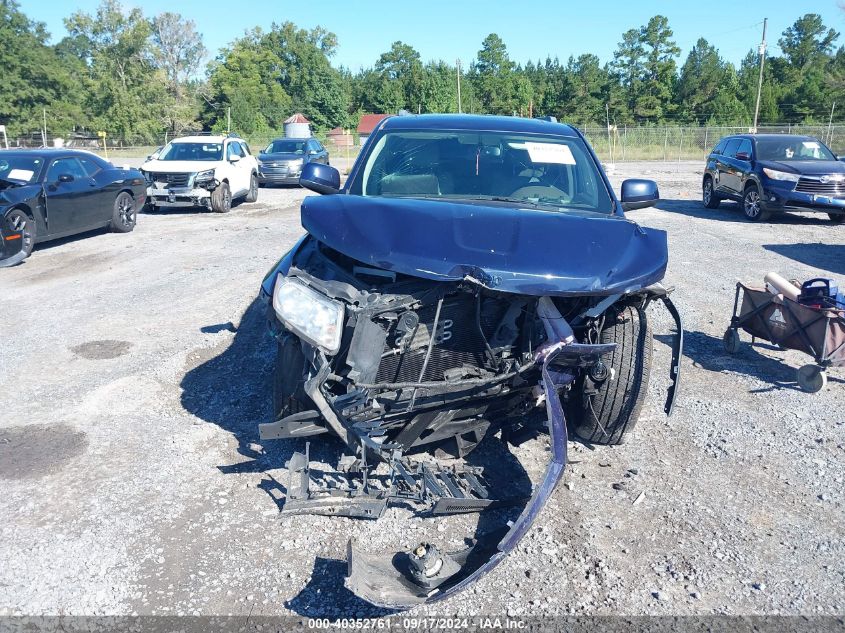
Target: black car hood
{"points": [[523, 251], [281, 156], [806, 167]]}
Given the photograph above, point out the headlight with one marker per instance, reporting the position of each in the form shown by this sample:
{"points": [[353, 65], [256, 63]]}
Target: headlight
{"points": [[204, 177], [316, 318], [774, 174]]}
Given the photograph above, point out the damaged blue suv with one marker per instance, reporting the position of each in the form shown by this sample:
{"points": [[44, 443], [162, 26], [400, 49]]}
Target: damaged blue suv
{"points": [[475, 277]]}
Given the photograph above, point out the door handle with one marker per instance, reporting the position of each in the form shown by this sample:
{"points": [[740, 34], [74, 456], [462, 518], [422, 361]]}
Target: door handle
{"points": [[92, 182]]}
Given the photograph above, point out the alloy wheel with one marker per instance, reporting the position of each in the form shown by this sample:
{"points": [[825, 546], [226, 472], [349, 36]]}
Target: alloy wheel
{"points": [[752, 203], [126, 210], [707, 194], [22, 224]]}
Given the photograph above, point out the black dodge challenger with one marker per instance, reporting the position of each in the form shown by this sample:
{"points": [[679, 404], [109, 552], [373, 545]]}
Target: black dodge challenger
{"points": [[46, 194]]}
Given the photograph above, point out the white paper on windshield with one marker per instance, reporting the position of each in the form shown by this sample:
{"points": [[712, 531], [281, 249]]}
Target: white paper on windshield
{"points": [[550, 153], [810, 144], [20, 174]]}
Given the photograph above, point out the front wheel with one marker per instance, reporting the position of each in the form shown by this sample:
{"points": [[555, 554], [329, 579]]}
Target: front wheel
{"points": [[221, 198], [124, 215], [25, 225], [252, 195], [752, 205], [289, 395], [613, 392]]}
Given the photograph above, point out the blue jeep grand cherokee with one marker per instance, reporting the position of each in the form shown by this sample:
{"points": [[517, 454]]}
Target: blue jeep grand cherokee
{"points": [[771, 173]]}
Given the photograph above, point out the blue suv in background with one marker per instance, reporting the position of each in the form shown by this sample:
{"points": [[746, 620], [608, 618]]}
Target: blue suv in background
{"points": [[771, 173]]}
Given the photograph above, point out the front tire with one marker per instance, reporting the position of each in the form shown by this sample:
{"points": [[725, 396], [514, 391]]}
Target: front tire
{"points": [[221, 198], [289, 395], [124, 215], [709, 196], [252, 195], [752, 205], [25, 225], [612, 396]]}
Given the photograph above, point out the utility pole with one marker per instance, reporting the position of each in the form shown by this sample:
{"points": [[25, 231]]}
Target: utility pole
{"points": [[762, 51], [228, 120], [609, 146], [830, 123], [460, 110], [44, 129]]}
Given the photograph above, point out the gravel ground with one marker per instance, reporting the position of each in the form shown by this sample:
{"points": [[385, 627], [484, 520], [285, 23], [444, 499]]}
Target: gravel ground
{"points": [[135, 370]]}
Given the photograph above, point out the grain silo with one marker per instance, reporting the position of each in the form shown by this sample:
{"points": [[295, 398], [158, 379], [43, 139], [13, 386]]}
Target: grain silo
{"points": [[297, 126]]}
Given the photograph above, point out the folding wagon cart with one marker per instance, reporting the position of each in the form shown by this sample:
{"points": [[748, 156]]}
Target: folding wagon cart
{"points": [[790, 325]]}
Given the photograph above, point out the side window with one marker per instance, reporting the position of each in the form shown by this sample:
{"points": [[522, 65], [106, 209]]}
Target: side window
{"points": [[245, 149], [233, 149], [720, 148], [731, 147], [91, 168], [318, 146], [745, 146], [62, 166]]}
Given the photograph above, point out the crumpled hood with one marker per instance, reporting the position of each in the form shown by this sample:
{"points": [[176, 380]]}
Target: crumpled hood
{"points": [[523, 251]]}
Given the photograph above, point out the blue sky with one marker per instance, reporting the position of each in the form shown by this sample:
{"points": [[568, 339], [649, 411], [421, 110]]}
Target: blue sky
{"points": [[454, 29]]}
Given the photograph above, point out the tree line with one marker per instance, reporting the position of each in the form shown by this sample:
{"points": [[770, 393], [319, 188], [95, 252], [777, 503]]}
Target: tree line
{"points": [[140, 77]]}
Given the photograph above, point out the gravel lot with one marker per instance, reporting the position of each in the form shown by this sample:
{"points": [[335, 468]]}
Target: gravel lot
{"points": [[135, 369]]}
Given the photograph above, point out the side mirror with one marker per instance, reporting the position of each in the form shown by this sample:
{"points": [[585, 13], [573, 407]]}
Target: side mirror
{"points": [[321, 178], [639, 194], [65, 178], [312, 152], [743, 156], [234, 158]]}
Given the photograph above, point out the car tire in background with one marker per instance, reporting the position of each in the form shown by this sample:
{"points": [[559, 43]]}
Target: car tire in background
{"points": [[709, 196], [609, 399], [21, 221], [124, 215], [252, 194], [221, 198], [836, 218], [752, 204]]}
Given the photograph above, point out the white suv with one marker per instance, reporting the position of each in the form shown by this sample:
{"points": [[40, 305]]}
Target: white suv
{"points": [[208, 171]]}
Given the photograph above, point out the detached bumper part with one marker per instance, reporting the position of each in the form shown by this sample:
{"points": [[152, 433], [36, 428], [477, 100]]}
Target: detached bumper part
{"points": [[392, 581]]}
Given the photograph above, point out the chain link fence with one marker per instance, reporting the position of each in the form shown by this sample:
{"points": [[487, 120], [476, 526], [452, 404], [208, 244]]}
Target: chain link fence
{"points": [[675, 143], [617, 144]]}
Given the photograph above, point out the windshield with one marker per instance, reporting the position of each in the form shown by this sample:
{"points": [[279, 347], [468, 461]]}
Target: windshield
{"points": [[23, 168], [548, 171], [788, 149], [192, 151], [286, 147]]}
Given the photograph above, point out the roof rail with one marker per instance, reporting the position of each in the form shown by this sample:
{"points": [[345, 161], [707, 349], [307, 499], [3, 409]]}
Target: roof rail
{"points": [[550, 119]]}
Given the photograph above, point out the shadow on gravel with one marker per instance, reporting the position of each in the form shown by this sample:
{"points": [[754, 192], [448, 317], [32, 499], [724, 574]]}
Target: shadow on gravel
{"points": [[708, 353], [829, 257], [233, 391], [325, 596], [730, 211], [46, 246]]}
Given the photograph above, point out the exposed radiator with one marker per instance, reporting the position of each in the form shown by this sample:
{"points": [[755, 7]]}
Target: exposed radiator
{"points": [[458, 342]]}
